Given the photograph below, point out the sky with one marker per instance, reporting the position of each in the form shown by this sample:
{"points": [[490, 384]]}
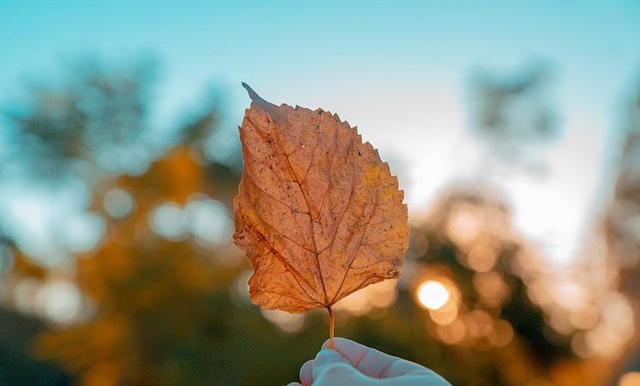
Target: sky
{"points": [[397, 70]]}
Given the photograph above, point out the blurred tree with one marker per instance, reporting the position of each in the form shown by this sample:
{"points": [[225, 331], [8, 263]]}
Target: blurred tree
{"points": [[468, 245], [95, 123], [160, 289], [160, 305], [164, 298], [513, 113], [623, 222], [622, 225]]}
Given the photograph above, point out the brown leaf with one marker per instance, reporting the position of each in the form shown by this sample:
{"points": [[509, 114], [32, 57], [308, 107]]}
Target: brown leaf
{"points": [[318, 213]]}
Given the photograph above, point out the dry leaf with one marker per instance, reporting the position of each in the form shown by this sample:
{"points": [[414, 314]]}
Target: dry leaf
{"points": [[318, 213]]}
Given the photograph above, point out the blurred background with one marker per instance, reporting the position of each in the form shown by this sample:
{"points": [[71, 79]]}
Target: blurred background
{"points": [[514, 128]]}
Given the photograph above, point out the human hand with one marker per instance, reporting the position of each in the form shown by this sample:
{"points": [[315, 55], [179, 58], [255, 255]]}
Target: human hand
{"points": [[353, 364]]}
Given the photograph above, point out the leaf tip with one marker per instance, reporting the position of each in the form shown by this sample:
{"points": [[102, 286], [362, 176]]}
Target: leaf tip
{"points": [[255, 97], [252, 94]]}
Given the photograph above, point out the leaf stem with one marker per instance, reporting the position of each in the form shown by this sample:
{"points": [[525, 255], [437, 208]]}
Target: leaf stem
{"points": [[331, 327]]}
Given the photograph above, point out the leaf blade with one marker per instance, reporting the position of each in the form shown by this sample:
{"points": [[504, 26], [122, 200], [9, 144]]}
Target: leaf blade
{"points": [[311, 198]]}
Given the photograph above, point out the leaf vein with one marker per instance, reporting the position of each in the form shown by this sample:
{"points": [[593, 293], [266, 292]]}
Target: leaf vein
{"points": [[355, 254]]}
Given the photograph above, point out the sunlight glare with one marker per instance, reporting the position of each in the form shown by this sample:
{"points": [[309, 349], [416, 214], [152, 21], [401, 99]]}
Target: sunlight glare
{"points": [[433, 294]]}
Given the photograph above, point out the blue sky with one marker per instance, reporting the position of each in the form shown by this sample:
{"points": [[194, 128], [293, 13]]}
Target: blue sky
{"points": [[308, 50], [395, 69]]}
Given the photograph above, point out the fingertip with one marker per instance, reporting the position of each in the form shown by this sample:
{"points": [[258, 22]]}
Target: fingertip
{"points": [[352, 351], [294, 384], [306, 373], [365, 359], [336, 340], [327, 355]]}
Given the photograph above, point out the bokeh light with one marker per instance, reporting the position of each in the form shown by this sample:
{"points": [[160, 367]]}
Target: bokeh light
{"points": [[209, 221], [169, 220], [630, 379], [433, 294], [285, 321], [118, 203], [60, 301], [376, 296]]}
